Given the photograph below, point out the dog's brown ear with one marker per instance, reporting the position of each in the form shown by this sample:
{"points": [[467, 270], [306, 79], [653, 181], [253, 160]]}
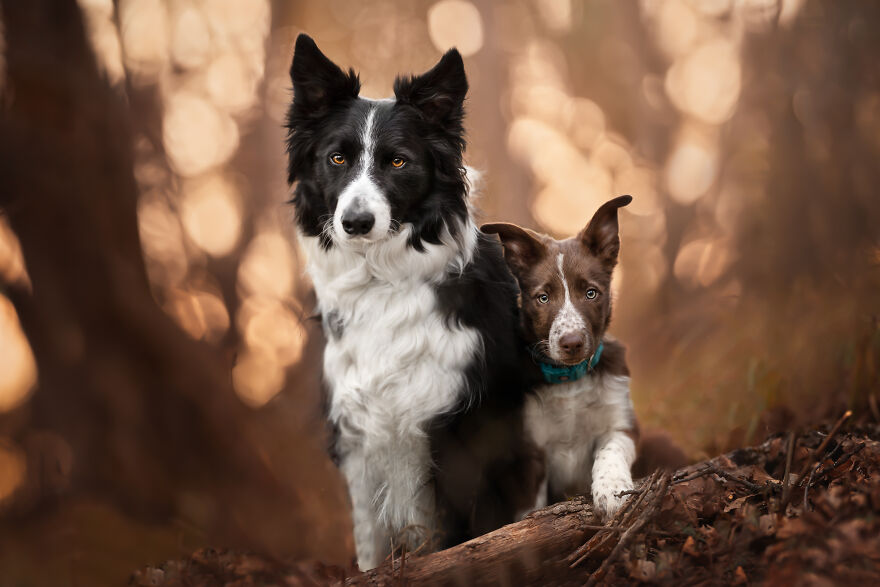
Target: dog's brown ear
{"points": [[522, 247], [600, 236]]}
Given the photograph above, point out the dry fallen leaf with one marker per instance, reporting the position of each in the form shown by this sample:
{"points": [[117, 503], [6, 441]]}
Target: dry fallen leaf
{"points": [[690, 547], [643, 570]]}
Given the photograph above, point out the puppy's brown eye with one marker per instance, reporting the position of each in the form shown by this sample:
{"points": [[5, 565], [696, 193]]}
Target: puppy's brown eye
{"points": [[398, 162], [592, 293], [543, 298], [337, 158]]}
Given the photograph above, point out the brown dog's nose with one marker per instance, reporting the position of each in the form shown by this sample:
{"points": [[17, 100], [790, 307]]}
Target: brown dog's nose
{"points": [[572, 344]]}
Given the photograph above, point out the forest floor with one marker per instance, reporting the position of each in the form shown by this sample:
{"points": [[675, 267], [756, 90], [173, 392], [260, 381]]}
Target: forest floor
{"points": [[795, 510]]}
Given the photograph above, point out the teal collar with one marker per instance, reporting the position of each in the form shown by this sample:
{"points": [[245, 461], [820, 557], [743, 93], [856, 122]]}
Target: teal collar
{"points": [[556, 373]]}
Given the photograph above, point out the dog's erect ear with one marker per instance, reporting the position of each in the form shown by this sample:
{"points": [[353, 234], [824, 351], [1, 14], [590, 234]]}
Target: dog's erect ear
{"points": [[438, 93], [318, 83], [522, 248], [600, 236]]}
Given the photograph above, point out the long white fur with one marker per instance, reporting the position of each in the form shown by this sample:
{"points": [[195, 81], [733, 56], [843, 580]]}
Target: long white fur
{"points": [[396, 365], [581, 425]]}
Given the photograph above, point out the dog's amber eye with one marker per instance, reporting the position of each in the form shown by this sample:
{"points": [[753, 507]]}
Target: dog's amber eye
{"points": [[592, 294], [337, 158], [398, 162], [543, 298]]}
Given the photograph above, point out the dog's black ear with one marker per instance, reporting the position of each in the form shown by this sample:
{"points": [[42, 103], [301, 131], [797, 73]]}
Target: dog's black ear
{"points": [[438, 93], [522, 247], [318, 83], [600, 236]]}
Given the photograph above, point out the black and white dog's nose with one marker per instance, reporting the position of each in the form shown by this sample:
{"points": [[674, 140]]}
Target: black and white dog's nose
{"points": [[357, 222]]}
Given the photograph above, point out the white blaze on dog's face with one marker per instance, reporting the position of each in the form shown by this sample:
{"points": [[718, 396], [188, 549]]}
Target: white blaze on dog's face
{"points": [[363, 211], [565, 285], [365, 169], [568, 332]]}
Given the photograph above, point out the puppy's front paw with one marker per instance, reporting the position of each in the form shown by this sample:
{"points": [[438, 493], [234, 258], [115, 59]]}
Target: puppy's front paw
{"points": [[606, 501]]}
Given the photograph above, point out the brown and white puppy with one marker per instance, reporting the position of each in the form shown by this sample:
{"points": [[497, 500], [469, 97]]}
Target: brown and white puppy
{"points": [[582, 416]]}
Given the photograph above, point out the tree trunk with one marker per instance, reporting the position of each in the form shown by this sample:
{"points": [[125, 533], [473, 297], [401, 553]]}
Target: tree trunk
{"points": [[135, 411]]}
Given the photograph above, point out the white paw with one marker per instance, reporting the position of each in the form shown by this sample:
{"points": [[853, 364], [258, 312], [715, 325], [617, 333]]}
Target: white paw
{"points": [[606, 501]]}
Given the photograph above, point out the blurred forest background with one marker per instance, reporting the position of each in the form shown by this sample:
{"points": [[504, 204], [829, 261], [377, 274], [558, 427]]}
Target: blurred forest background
{"points": [[158, 367]]}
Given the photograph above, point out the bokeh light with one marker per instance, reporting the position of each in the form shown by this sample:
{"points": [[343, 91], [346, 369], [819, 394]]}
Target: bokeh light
{"points": [[706, 82], [18, 369], [267, 267], [13, 466], [104, 37], [701, 262], [211, 213], [691, 170], [198, 135], [202, 314], [677, 27], [230, 84], [12, 269], [190, 37], [270, 321], [257, 377], [556, 14], [144, 31], [273, 329], [456, 23]]}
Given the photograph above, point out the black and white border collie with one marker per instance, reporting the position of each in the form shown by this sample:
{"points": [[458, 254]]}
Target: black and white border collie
{"points": [[422, 362]]}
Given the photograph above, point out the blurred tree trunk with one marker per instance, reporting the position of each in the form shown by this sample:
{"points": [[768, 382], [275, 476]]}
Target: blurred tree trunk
{"points": [[136, 411]]}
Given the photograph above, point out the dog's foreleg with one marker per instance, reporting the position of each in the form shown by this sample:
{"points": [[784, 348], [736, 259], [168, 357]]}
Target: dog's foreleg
{"points": [[612, 460], [371, 540], [406, 502]]}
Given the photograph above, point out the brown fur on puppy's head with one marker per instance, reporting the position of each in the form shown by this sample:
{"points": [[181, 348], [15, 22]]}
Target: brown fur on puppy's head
{"points": [[565, 285]]}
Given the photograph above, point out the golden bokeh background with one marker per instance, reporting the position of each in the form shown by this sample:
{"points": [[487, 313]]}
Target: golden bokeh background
{"points": [[748, 132]]}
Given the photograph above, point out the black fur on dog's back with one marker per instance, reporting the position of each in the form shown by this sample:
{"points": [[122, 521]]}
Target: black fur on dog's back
{"points": [[487, 471]]}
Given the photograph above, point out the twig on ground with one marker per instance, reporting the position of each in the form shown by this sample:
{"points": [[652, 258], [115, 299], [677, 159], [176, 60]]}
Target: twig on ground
{"points": [[599, 528], [644, 518], [807, 488], [713, 469], [818, 457], [751, 486], [621, 520], [819, 454], [691, 476], [391, 539], [599, 538], [820, 472], [786, 477], [823, 471], [403, 565]]}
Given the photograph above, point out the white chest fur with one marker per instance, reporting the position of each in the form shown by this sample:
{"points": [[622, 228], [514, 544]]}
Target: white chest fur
{"points": [[392, 363], [581, 426]]}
